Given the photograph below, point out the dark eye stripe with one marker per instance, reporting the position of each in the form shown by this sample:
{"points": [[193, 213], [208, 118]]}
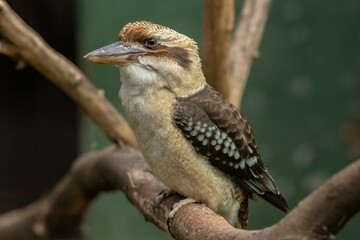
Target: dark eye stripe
{"points": [[180, 55]]}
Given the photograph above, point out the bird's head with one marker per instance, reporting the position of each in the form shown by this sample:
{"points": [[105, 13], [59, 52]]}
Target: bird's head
{"points": [[151, 55]]}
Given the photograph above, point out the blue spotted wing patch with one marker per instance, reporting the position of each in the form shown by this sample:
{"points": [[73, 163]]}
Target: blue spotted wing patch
{"points": [[221, 150]]}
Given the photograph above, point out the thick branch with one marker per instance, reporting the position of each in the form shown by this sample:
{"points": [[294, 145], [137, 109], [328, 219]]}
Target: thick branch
{"points": [[59, 214], [319, 216], [244, 48], [36, 52], [215, 55]]}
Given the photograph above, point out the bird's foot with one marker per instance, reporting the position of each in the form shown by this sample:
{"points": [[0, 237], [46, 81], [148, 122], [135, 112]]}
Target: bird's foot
{"points": [[162, 196], [175, 209]]}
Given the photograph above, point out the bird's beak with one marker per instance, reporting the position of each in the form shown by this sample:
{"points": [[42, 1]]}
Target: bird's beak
{"points": [[114, 54]]}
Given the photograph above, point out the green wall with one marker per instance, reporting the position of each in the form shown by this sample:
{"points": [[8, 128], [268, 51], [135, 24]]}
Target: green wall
{"points": [[301, 92]]}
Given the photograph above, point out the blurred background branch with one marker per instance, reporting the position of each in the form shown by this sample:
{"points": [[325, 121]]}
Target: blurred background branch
{"points": [[245, 44], [227, 60], [8, 50], [216, 40], [36, 52]]}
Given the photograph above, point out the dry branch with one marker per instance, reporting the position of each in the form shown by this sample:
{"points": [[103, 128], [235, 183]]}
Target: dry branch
{"points": [[319, 216], [244, 48], [59, 214], [36, 52], [215, 54]]}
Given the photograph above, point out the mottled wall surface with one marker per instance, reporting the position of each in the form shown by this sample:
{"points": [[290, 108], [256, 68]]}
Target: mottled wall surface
{"points": [[301, 98]]}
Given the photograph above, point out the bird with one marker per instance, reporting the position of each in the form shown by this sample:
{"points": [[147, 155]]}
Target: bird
{"points": [[193, 139]]}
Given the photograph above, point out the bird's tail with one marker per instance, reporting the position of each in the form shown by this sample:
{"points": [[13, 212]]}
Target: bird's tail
{"points": [[276, 199]]}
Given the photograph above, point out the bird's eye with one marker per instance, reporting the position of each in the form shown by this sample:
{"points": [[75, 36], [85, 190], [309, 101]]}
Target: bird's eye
{"points": [[151, 42]]}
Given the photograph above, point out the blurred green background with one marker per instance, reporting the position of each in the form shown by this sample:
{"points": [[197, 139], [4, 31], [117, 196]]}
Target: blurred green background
{"points": [[302, 96]]}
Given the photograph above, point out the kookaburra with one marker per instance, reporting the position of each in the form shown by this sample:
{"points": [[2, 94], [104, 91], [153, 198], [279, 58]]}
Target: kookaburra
{"points": [[194, 140]]}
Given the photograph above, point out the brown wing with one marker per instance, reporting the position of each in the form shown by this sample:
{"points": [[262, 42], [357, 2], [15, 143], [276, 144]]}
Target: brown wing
{"points": [[218, 131]]}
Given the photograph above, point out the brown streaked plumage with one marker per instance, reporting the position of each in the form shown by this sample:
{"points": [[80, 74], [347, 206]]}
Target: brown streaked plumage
{"points": [[138, 31], [194, 140], [180, 55]]}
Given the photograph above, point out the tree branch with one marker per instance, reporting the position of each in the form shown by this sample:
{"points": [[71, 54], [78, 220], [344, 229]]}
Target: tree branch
{"points": [[59, 214], [36, 52], [244, 48], [319, 216], [227, 64]]}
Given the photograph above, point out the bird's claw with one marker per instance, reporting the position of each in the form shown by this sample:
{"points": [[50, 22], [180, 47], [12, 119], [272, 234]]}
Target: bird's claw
{"points": [[162, 196], [176, 208]]}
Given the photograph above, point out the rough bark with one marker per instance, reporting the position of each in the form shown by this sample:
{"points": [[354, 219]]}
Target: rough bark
{"points": [[59, 214], [32, 49]]}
